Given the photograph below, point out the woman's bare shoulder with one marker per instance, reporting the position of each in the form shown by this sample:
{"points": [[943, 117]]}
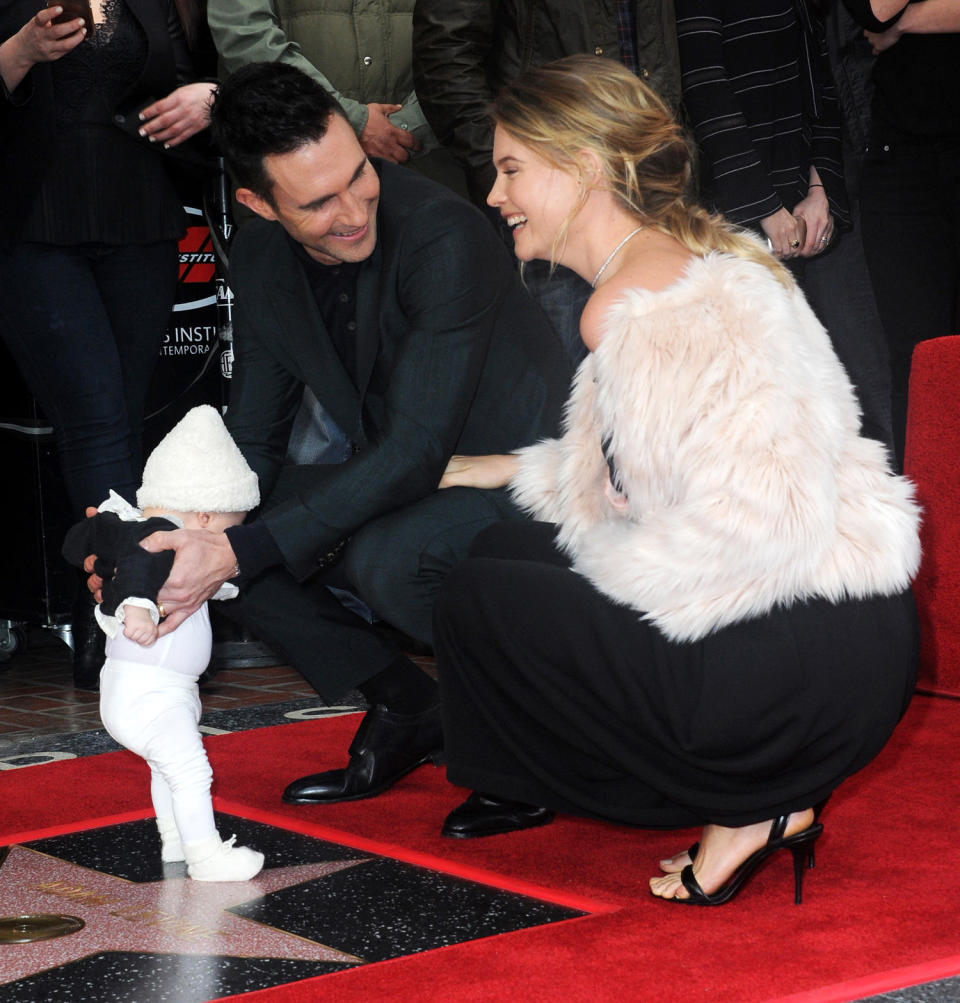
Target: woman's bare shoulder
{"points": [[653, 267]]}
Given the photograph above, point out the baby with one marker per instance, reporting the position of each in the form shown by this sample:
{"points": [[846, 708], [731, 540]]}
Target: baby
{"points": [[196, 478]]}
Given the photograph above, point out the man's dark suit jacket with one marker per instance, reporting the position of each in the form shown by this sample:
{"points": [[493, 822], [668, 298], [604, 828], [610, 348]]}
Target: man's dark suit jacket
{"points": [[452, 357]]}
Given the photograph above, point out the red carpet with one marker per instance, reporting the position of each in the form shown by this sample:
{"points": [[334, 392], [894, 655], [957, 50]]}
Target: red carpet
{"points": [[881, 910]]}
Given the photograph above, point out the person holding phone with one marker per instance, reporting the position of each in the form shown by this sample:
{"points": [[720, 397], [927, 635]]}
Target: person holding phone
{"points": [[89, 224]]}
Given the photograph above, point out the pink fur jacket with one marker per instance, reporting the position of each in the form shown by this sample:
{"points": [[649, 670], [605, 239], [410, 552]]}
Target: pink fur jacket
{"points": [[735, 432]]}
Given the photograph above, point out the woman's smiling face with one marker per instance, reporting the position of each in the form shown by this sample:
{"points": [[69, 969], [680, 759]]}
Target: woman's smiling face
{"points": [[535, 198]]}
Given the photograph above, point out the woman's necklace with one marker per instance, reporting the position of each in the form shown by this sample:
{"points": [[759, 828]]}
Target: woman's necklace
{"points": [[613, 254]]}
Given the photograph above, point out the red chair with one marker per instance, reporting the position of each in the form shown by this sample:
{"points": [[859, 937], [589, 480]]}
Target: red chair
{"points": [[932, 461]]}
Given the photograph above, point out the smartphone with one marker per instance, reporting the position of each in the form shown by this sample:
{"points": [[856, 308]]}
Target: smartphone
{"points": [[72, 9]]}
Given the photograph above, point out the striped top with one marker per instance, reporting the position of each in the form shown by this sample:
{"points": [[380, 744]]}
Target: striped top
{"points": [[758, 92]]}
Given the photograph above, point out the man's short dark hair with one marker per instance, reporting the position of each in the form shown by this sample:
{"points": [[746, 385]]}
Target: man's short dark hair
{"points": [[265, 109]]}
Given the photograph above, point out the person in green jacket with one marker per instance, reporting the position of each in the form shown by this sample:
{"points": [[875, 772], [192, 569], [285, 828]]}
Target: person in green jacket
{"points": [[358, 50]]}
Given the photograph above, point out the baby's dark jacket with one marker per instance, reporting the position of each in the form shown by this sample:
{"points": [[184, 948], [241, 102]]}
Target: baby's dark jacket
{"points": [[117, 546]]}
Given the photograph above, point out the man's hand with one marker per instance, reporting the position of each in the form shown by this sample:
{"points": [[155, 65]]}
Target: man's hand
{"points": [[138, 625], [203, 562], [94, 582], [381, 138]]}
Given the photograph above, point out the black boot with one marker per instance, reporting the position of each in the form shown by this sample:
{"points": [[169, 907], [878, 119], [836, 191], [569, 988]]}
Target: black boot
{"points": [[386, 747], [88, 642]]}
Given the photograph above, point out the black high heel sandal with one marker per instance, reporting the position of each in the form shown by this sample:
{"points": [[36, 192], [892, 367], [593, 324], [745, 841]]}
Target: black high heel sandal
{"points": [[800, 844], [817, 811]]}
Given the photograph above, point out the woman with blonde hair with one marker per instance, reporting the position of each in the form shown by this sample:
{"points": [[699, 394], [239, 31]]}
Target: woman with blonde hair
{"points": [[710, 623]]}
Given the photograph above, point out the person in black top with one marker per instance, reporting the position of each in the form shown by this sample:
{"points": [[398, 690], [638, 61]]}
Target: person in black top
{"points": [[89, 222], [911, 177], [759, 93]]}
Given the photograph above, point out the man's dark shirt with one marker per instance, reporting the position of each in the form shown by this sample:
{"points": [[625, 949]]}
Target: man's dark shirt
{"points": [[334, 287]]}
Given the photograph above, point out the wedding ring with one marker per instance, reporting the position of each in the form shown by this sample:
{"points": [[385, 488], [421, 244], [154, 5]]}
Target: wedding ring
{"points": [[794, 244], [824, 239], [161, 610]]}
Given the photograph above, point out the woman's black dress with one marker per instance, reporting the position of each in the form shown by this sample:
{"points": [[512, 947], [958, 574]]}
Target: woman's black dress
{"points": [[554, 695]]}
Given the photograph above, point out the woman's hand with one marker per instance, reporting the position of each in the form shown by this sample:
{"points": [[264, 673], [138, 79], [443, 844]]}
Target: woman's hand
{"points": [[815, 211], [492, 471], [38, 41], [181, 114], [785, 233]]}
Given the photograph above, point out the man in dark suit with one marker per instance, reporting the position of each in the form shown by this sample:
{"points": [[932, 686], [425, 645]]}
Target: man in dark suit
{"points": [[390, 301]]}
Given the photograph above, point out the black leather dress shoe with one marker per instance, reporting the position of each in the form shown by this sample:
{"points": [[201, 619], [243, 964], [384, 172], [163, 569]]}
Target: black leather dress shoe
{"points": [[483, 815], [88, 645], [386, 747]]}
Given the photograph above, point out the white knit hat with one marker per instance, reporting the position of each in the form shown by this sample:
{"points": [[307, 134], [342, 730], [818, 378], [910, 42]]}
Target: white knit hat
{"points": [[197, 468]]}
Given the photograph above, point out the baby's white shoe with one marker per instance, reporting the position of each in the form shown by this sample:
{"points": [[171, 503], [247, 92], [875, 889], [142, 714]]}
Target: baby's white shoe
{"points": [[171, 849], [212, 860]]}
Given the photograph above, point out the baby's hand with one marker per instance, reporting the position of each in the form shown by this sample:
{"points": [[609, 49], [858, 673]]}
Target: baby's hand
{"points": [[139, 626]]}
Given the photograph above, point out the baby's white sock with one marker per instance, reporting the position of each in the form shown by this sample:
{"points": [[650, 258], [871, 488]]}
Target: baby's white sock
{"points": [[212, 860]]}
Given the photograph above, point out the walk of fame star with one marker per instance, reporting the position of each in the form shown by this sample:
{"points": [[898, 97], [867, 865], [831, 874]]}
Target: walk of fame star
{"points": [[151, 934], [173, 916]]}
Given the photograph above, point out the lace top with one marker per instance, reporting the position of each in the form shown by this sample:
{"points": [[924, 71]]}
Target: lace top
{"points": [[102, 184]]}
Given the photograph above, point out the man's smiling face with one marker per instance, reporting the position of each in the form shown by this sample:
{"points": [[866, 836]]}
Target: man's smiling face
{"points": [[325, 195]]}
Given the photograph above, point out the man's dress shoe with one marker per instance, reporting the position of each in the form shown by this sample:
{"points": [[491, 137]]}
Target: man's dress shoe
{"points": [[483, 815], [386, 747]]}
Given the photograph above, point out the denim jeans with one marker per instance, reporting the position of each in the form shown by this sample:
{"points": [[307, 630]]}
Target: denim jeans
{"points": [[837, 284], [911, 235], [85, 325]]}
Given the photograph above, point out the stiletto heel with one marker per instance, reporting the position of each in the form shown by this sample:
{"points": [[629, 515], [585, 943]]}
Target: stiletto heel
{"points": [[800, 845], [817, 811], [799, 853]]}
